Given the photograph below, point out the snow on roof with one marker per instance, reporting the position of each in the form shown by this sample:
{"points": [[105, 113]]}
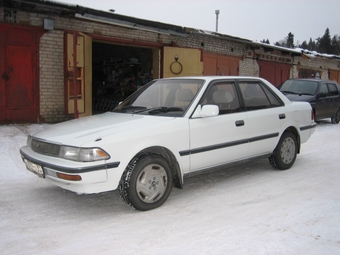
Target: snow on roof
{"points": [[180, 31], [305, 52]]}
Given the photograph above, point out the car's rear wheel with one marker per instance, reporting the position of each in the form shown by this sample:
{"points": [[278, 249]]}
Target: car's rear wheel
{"points": [[285, 152], [146, 183], [336, 118]]}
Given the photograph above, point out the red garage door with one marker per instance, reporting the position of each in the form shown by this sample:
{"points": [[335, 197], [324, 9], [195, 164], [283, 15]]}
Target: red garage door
{"points": [[276, 73], [19, 97], [214, 64]]}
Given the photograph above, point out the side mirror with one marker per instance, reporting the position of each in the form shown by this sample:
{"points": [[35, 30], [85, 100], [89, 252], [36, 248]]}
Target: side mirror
{"points": [[208, 110]]}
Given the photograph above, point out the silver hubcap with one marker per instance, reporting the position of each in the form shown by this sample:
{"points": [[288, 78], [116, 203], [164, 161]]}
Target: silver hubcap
{"points": [[288, 150], [152, 183]]}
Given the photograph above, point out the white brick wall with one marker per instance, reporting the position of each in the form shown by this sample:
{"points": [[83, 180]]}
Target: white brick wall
{"points": [[52, 76], [51, 54]]}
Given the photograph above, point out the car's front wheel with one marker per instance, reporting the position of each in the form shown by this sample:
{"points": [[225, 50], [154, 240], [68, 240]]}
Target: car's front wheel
{"points": [[146, 183], [336, 118], [285, 152]]}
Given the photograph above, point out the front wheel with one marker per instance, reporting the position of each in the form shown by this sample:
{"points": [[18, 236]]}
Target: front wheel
{"points": [[285, 152], [146, 183], [336, 118]]}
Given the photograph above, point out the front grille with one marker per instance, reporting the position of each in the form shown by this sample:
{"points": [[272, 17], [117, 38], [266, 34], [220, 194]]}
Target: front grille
{"points": [[45, 148]]}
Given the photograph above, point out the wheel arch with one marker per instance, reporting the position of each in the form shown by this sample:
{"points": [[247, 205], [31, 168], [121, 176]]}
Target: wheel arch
{"points": [[297, 136], [170, 157]]}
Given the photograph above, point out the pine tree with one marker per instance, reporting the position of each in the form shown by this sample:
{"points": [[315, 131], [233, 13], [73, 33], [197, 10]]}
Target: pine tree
{"points": [[312, 45], [336, 45], [324, 43], [290, 40], [304, 45]]}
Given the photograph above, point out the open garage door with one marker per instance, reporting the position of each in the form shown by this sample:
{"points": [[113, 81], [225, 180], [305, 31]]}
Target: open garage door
{"points": [[119, 70], [78, 78]]}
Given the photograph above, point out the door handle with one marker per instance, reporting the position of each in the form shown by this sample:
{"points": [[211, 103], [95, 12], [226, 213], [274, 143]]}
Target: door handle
{"points": [[5, 76], [239, 123], [282, 116]]}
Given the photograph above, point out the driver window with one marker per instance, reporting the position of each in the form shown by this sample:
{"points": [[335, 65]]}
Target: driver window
{"points": [[224, 96]]}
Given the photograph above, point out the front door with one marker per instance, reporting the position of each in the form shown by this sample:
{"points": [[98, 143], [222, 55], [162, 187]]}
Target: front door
{"points": [[221, 139], [19, 90]]}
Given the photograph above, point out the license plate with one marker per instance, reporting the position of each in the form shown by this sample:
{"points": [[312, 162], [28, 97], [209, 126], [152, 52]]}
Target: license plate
{"points": [[34, 168]]}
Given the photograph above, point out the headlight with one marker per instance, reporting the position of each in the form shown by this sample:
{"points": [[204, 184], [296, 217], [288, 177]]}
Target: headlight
{"points": [[82, 154]]}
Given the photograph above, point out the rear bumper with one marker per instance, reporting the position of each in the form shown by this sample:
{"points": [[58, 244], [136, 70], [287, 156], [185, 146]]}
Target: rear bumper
{"points": [[307, 131]]}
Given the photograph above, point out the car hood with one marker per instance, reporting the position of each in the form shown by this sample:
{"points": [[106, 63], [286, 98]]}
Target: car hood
{"points": [[299, 97], [77, 132]]}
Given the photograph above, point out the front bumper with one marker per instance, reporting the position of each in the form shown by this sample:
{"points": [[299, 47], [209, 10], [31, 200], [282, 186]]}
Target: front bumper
{"points": [[89, 177]]}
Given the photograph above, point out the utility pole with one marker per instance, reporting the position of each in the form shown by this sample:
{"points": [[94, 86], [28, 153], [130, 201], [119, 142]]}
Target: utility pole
{"points": [[217, 12]]}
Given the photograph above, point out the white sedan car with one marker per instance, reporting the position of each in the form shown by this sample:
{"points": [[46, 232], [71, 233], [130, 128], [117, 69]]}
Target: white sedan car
{"points": [[167, 130]]}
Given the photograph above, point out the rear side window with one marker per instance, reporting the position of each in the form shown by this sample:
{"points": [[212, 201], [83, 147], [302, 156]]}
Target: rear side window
{"points": [[257, 96], [333, 90]]}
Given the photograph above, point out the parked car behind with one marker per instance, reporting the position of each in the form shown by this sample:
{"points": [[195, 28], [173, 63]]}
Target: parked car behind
{"points": [[167, 130], [323, 95]]}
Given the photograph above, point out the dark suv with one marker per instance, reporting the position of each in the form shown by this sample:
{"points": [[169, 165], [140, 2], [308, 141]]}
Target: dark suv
{"points": [[323, 95]]}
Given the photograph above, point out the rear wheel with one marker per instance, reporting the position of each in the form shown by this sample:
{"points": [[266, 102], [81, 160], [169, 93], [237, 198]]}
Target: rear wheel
{"points": [[336, 118], [146, 183], [285, 152]]}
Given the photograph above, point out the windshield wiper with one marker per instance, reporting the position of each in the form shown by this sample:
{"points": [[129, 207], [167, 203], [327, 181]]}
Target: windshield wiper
{"points": [[162, 109], [288, 92], [130, 107], [307, 94]]}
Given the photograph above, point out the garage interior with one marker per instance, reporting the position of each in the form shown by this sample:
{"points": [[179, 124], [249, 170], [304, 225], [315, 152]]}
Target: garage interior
{"points": [[118, 71]]}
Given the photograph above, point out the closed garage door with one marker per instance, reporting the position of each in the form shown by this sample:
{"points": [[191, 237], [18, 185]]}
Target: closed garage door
{"points": [[276, 73], [220, 65]]}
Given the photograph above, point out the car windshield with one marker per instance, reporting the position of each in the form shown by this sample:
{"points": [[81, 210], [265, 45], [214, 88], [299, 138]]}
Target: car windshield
{"points": [[299, 87], [168, 97]]}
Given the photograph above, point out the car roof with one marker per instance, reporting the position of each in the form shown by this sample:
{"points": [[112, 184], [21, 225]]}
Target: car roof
{"points": [[211, 78], [309, 79]]}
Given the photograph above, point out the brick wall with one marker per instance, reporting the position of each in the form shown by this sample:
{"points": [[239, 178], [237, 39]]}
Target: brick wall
{"points": [[52, 53], [52, 76]]}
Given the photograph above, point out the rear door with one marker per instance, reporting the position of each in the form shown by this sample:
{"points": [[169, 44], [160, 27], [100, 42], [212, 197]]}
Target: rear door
{"points": [[334, 97], [324, 102], [265, 117]]}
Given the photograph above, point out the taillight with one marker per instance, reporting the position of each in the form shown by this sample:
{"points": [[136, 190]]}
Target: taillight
{"points": [[313, 115]]}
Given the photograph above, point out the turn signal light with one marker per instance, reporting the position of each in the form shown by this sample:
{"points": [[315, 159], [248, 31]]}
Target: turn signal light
{"points": [[69, 177]]}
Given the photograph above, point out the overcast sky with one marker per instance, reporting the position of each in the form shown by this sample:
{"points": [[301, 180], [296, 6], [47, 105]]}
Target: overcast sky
{"points": [[250, 19]]}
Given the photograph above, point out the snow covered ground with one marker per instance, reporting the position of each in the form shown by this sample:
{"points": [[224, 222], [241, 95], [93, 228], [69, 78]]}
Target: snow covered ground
{"points": [[248, 209]]}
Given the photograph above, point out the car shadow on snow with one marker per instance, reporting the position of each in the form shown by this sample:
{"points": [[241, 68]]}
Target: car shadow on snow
{"points": [[324, 122], [63, 203], [223, 180]]}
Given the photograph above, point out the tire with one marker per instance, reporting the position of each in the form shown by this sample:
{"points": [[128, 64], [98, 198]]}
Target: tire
{"points": [[336, 118], [146, 183], [285, 152]]}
